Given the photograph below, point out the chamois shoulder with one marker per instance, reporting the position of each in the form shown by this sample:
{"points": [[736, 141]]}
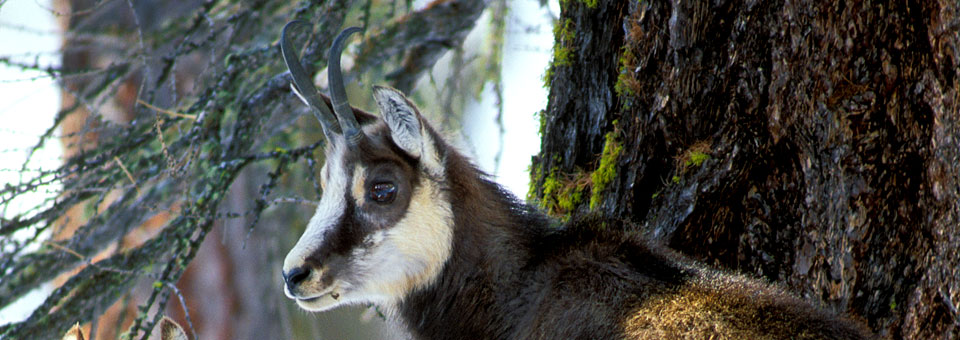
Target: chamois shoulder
{"points": [[591, 238]]}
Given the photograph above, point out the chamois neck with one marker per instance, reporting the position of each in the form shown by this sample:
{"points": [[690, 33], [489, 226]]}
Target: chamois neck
{"points": [[490, 222], [475, 294]]}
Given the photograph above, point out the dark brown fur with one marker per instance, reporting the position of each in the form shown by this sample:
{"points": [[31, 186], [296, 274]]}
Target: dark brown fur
{"points": [[515, 274]]}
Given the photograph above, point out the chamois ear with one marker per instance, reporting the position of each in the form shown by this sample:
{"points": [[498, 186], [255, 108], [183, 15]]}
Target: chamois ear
{"points": [[74, 333], [407, 128], [170, 330]]}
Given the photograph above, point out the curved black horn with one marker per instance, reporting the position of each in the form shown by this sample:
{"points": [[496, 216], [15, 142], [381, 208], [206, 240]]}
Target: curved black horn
{"points": [[338, 95], [303, 84]]}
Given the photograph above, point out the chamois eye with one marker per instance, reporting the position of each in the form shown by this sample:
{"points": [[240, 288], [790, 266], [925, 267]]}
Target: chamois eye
{"points": [[383, 192]]}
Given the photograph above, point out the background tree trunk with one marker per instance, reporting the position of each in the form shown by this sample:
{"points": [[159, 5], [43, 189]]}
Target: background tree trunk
{"points": [[815, 144]]}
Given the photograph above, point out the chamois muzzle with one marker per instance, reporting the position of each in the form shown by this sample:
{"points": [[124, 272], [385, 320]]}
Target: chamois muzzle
{"points": [[294, 276]]}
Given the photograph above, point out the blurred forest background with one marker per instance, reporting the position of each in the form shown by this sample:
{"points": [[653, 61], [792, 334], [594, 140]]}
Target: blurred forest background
{"points": [[813, 144], [188, 165]]}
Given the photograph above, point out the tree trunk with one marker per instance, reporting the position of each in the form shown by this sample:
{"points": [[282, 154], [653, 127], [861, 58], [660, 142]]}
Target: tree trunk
{"points": [[815, 144]]}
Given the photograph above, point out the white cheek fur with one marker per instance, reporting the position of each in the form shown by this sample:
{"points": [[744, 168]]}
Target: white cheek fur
{"points": [[412, 252], [327, 214]]}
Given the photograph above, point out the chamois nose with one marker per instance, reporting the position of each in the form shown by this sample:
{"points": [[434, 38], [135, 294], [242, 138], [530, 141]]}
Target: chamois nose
{"points": [[294, 276]]}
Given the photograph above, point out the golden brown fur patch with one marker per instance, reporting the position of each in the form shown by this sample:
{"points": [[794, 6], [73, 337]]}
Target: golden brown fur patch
{"points": [[724, 307]]}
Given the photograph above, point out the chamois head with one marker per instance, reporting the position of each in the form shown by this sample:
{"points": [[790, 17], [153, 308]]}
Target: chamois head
{"points": [[383, 226]]}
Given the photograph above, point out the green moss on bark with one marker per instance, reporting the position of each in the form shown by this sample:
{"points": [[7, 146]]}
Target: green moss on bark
{"points": [[607, 170]]}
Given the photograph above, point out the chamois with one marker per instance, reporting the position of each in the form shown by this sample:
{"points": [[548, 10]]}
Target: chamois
{"points": [[406, 222], [166, 330]]}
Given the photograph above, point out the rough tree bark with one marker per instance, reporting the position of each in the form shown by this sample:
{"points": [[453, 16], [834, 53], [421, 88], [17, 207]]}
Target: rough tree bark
{"points": [[815, 144]]}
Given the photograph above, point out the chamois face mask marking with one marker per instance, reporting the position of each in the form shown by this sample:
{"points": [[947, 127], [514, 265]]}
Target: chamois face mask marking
{"points": [[384, 222]]}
